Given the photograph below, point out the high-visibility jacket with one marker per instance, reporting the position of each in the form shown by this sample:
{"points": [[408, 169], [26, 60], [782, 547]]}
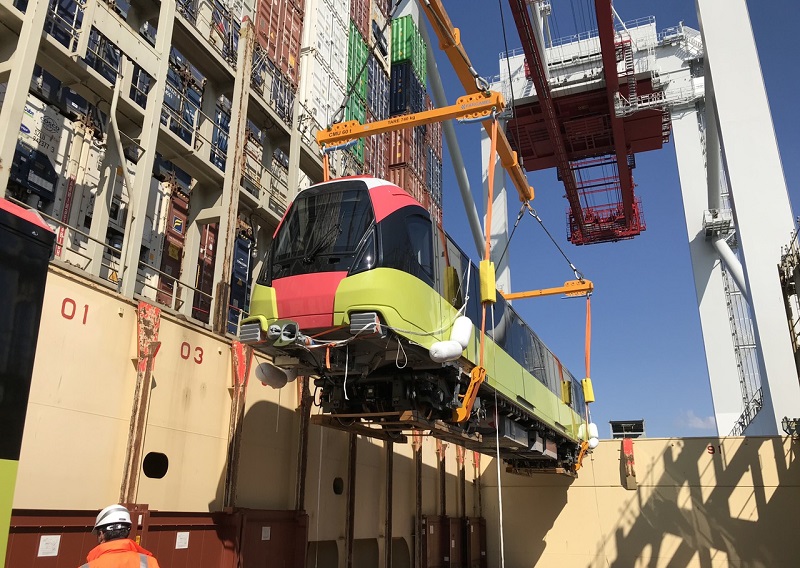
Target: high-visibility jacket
{"points": [[122, 553]]}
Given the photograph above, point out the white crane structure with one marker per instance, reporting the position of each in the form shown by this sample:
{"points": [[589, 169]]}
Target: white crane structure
{"points": [[737, 209]]}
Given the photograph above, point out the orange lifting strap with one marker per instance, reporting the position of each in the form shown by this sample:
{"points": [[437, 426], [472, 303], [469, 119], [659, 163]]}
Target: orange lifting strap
{"points": [[478, 374]]}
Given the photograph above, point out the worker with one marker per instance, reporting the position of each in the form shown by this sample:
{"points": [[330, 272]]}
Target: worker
{"points": [[115, 549]]}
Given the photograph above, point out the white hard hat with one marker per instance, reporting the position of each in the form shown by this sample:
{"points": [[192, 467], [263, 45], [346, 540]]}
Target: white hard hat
{"points": [[112, 515]]}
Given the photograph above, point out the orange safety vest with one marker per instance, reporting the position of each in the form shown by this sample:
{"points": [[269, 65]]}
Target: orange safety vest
{"points": [[122, 553]]}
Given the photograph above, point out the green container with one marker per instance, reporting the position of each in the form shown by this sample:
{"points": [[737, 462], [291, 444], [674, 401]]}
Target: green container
{"points": [[408, 45], [356, 109], [357, 53]]}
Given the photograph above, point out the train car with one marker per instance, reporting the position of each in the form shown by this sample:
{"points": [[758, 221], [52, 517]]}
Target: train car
{"points": [[361, 290]]}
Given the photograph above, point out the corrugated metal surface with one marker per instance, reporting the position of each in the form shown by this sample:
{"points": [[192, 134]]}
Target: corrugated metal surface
{"points": [[405, 178], [406, 148], [377, 90], [359, 14], [433, 175], [325, 94], [407, 94], [375, 155], [357, 53], [330, 38], [433, 135], [279, 29], [408, 45], [379, 37]]}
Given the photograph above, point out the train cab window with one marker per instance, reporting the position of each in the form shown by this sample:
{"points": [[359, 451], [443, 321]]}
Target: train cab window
{"points": [[421, 238]]}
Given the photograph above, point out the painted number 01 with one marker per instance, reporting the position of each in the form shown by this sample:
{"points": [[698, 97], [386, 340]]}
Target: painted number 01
{"points": [[69, 309], [186, 352]]}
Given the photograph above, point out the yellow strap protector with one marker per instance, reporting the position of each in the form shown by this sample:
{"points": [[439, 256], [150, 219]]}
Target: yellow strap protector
{"points": [[488, 282], [588, 390]]}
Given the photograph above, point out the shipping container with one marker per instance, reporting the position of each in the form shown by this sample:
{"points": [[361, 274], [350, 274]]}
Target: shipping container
{"points": [[433, 175], [357, 53], [408, 180], [406, 93], [360, 16], [172, 254], [433, 134], [279, 30], [323, 95], [408, 45], [241, 272], [375, 154], [330, 40], [377, 90], [406, 147], [281, 95], [379, 37]]}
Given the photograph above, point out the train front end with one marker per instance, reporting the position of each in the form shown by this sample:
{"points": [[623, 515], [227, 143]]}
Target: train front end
{"points": [[350, 261]]}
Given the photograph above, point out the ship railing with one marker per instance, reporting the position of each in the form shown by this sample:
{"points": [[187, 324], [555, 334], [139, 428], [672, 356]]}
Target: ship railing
{"points": [[165, 289], [235, 317], [176, 124], [68, 253], [67, 248]]}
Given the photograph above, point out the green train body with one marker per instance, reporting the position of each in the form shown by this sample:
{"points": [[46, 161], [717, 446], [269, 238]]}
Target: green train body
{"points": [[358, 288]]}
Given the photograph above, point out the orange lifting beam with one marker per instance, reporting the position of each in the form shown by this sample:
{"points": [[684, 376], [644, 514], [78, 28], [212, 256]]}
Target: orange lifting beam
{"points": [[450, 42], [570, 288], [468, 107]]}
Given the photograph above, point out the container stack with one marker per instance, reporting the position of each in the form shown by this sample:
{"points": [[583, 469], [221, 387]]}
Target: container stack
{"points": [[328, 63], [279, 31], [415, 154]]}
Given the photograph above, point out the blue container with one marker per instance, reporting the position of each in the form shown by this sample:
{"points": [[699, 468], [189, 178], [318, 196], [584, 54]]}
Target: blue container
{"points": [[377, 90], [406, 93]]}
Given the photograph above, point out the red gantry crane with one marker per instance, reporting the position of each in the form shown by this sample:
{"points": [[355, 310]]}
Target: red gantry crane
{"points": [[581, 135]]}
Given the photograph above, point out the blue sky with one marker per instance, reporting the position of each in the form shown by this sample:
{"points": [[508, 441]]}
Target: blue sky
{"points": [[647, 351]]}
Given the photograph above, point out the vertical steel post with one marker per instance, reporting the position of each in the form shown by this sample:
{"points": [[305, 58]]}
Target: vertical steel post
{"points": [[352, 454], [148, 140], [462, 481], [233, 174], [389, 492], [477, 506], [417, 444], [441, 451], [304, 408], [19, 79], [148, 324]]}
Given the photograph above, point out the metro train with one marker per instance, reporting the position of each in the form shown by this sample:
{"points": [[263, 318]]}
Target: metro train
{"points": [[361, 289]]}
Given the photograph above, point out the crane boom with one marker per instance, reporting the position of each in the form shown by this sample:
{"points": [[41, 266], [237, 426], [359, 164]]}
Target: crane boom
{"points": [[450, 42]]}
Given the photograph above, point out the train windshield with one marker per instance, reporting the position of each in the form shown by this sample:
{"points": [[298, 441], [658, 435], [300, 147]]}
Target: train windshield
{"points": [[321, 232]]}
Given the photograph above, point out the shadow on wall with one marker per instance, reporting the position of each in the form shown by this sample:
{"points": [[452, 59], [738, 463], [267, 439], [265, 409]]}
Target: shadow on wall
{"points": [[532, 524], [717, 504], [266, 480]]}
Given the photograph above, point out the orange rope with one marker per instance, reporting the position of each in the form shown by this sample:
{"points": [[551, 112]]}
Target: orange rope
{"points": [[326, 174], [588, 335]]}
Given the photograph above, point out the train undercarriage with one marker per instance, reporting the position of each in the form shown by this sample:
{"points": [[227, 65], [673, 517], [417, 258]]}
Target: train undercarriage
{"points": [[385, 386]]}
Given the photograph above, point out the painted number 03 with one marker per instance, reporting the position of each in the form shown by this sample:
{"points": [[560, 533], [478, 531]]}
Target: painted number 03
{"points": [[186, 352], [69, 309]]}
